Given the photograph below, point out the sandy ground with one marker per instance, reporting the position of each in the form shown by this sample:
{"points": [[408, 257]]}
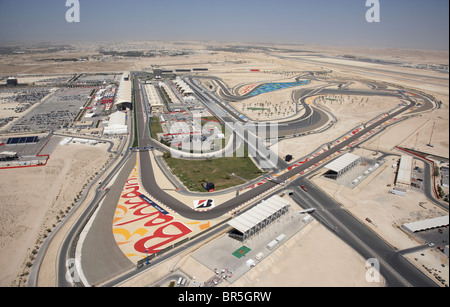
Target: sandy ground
{"points": [[388, 212], [319, 258], [417, 133], [27, 212], [350, 112], [31, 198]]}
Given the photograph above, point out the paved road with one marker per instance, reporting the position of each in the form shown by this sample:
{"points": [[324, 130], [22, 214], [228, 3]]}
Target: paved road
{"points": [[352, 231], [313, 118], [149, 182], [372, 70], [104, 257], [98, 244], [397, 271], [101, 256]]}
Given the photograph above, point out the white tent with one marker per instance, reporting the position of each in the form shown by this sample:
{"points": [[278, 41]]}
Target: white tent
{"points": [[124, 91], [117, 124]]}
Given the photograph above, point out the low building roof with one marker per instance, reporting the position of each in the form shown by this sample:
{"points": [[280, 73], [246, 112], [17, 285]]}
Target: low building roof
{"points": [[251, 218], [405, 170], [342, 162], [124, 91], [427, 224]]}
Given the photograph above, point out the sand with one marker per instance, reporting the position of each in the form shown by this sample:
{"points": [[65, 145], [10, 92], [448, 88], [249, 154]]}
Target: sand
{"points": [[312, 258], [28, 211], [31, 198], [388, 212]]}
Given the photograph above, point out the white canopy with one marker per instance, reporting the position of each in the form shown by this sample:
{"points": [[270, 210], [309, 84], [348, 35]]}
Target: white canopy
{"points": [[124, 91], [250, 219], [342, 162]]}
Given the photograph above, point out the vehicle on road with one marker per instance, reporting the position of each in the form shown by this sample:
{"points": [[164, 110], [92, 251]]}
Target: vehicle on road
{"points": [[304, 188]]}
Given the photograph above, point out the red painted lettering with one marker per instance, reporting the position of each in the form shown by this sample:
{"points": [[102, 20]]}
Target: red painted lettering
{"points": [[142, 245]]}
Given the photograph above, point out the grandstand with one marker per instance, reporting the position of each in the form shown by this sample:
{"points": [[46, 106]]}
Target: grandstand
{"points": [[8, 156], [257, 218]]}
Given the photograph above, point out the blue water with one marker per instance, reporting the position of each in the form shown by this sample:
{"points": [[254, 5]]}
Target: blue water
{"points": [[270, 87]]}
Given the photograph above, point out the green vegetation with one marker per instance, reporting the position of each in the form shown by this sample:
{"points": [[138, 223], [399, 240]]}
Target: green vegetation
{"points": [[219, 171], [436, 171], [165, 97], [155, 127], [135, 142], [257, 109]]}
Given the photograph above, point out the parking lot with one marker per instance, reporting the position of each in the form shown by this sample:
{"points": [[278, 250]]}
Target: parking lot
{"points": [[59, 110], [15, 101]]}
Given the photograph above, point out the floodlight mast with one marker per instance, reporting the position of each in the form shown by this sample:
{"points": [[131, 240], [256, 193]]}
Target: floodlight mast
{"points": [[431, 137]]}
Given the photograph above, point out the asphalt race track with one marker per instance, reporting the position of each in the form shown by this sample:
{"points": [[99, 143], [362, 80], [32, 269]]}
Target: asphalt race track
{"points": [[150, 185], [102, 259]]}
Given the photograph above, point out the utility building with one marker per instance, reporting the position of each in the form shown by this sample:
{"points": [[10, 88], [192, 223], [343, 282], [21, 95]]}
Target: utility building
{"points": [[404, 172]]}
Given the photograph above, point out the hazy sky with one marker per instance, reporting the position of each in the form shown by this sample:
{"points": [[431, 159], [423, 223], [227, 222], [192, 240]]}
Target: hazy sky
{"points": [[421, 24]]}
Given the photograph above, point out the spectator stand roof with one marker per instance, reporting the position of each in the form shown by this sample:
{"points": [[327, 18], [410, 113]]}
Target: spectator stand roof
{"points": [[262, 212]]}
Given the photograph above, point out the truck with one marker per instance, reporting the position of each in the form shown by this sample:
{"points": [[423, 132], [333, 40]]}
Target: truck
{"points": [[272, 244]]}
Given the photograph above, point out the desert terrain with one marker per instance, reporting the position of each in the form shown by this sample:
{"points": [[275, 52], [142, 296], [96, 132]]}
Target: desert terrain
{"points": [[32, 199]]}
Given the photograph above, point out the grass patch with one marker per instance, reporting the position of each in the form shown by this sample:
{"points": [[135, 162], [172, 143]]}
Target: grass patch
{"points": [[193, 172], [155, 127], [135, 142]]}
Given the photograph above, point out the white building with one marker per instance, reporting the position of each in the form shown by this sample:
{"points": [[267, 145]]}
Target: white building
{"points": [[117, 124], [184, 89], [441, 221], [123, 97], [404, 172], [154, 100], [341, 165]]}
